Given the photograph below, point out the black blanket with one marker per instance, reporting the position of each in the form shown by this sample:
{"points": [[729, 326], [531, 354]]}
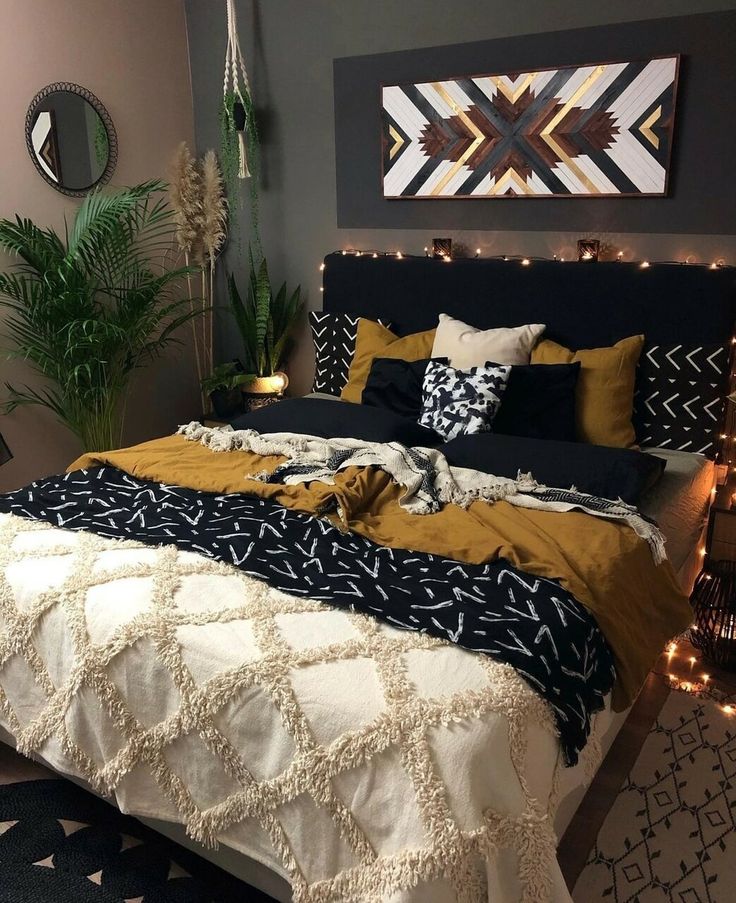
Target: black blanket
{"points": [[530, 623]]}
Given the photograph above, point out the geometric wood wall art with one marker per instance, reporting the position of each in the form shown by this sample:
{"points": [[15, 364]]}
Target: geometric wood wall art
{"points": [[579, 131]]}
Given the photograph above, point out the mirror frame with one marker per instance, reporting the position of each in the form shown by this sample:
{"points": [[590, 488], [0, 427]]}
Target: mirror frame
{"points": [[99, 108]]}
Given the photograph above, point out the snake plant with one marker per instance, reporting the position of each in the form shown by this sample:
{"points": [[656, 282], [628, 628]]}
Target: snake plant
{"points": [[266, 321]]}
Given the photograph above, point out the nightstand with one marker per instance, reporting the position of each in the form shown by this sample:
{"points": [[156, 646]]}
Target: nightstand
{"points": [[251, 402], [720, 540], [714, 595], [212, 420]]}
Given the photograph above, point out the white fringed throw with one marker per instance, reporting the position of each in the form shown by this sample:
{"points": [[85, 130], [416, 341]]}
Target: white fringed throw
{"points": [[424, 473]]}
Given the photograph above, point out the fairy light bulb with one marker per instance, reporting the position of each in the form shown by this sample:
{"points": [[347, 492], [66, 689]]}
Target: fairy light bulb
{"points": [[728, 709], [525, 262], [644, 264], [322, 267]]}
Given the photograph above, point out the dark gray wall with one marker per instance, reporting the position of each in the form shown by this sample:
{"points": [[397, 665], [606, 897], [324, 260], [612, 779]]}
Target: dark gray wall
{"points": [[291, 46], [705, 129]]}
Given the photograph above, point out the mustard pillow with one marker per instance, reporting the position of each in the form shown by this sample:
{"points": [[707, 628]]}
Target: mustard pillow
{"points": [[604, 396], [374, 340]]}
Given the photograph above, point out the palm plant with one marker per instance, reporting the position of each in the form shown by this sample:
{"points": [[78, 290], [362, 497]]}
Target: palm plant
{"points": [[88, 309], [265, 321]]}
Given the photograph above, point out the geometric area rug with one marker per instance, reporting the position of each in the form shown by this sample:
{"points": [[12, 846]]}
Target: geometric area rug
{"points": [[670, 835], [60, 844]]}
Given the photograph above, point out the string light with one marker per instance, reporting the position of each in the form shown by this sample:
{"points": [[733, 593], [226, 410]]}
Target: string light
{"points": [[526, 260], [322, 267], [728, 709]]}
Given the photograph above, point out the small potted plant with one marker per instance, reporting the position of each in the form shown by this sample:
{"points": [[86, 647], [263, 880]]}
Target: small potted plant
{"points": [[223, 386], [266, 323]]}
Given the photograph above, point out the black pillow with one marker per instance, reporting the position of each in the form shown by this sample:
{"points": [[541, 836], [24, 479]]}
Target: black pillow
{"points": [[609, 473], [396, 385], [539, 402], [336, 420]]}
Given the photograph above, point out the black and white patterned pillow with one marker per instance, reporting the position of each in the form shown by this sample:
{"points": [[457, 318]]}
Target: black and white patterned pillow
{"points": [[679, 398], [460, 402], [334, 338]]}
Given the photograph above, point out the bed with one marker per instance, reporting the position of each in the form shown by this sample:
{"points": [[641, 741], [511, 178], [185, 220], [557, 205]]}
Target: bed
{"points": [[159, 643]]}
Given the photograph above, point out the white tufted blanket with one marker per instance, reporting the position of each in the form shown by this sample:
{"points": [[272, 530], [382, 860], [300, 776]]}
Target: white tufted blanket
{"points": [[365, 764]]}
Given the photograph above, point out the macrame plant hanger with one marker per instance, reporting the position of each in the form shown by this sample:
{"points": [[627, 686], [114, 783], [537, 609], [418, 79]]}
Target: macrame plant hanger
{"points": [[236, 81]]}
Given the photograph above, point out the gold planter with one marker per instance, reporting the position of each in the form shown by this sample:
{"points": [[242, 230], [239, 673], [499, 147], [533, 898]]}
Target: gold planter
{"points": [[264, 390]]}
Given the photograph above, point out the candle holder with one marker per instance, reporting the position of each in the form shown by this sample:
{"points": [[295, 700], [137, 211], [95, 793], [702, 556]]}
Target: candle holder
{"points": [[442, 248], [589, 249]]}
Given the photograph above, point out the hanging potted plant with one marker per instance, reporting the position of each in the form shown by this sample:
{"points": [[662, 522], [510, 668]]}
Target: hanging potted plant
{"points": [[239, 144], [266, 324]]}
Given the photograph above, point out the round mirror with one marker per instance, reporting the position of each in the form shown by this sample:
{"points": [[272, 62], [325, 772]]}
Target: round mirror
{"points": [[71, 138]]}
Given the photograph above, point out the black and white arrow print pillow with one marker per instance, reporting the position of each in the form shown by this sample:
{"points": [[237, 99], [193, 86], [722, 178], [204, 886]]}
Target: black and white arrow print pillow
{"points": [[679, 398], [461, 402], [334, 338]]}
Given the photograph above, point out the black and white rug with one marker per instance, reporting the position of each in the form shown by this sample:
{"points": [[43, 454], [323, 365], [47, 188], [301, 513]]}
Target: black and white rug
{"points": [[670, 836], [60, 844]]}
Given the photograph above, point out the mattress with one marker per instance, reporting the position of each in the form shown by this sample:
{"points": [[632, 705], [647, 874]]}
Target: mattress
{"points": [[679, 501]]}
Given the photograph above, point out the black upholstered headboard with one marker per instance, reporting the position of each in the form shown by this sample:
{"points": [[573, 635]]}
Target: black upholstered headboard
{"points": [[685, 312]]}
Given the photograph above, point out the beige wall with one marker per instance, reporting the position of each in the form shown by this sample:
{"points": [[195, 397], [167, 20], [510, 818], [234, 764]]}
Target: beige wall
{"points": [[133, 55]]}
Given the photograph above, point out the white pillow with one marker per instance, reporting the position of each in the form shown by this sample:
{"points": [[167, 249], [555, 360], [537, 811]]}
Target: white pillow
{"points": [[466, 346]]}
